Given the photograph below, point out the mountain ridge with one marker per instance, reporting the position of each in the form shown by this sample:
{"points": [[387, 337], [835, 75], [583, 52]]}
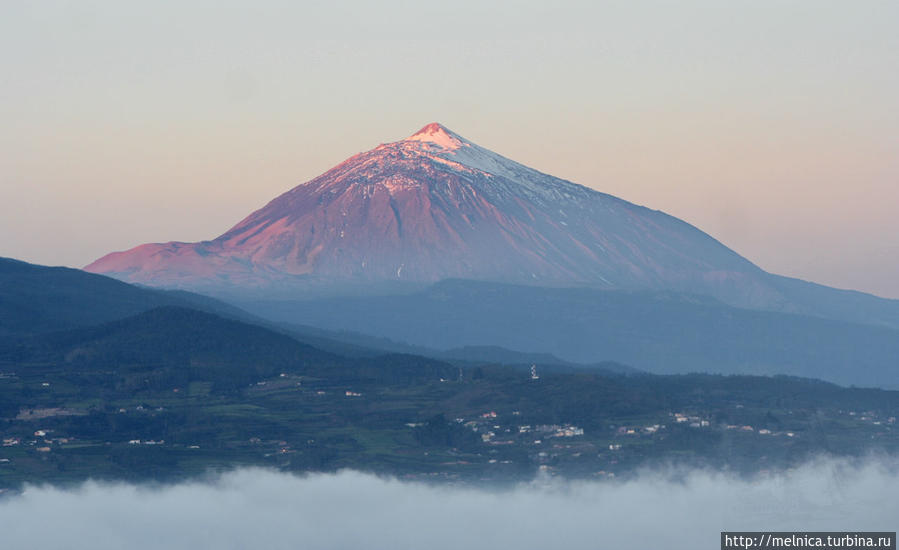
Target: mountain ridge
{"points": [[660, 332], [437, 206]]}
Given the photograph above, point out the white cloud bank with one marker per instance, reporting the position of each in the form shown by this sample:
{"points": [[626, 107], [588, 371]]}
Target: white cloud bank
{"points": [[269, 510]]}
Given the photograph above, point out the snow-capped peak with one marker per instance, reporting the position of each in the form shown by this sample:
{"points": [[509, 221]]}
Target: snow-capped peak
{"points": [[438, 143], [438, 134], [436, 206]]}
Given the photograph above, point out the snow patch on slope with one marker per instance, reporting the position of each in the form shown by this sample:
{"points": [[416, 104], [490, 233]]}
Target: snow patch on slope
{"points": [[442, 145]]}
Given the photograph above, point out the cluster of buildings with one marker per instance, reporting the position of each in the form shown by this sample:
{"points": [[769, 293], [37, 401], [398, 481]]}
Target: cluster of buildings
{"points": [[871, 417], [42, 441], [493, 433], [694, 421]]}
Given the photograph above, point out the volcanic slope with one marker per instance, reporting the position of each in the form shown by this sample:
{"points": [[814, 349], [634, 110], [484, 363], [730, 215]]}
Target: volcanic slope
{"points": [[436, 206]]}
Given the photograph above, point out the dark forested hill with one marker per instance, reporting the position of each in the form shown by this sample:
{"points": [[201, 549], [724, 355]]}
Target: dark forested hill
{"points": [[36, 298], [171, 346]]}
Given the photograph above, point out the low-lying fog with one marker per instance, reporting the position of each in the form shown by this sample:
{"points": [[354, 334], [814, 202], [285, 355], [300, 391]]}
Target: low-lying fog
{"points": [[349, 510]]}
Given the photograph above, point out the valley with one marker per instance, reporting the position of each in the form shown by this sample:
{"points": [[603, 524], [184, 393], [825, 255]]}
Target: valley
{"points": [[88, 404]]}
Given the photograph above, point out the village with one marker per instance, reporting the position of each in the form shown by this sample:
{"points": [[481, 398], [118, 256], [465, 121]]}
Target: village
{"points": [[297, 422], [502, 435]]}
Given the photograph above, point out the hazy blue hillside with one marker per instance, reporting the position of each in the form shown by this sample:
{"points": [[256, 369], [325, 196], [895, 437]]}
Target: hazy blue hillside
{"points": [[834, 303], [658, 332], [502, 356]]}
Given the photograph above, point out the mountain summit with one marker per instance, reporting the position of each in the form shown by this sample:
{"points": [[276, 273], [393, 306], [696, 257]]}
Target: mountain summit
{"points": [[437, 206], [437, 134]]}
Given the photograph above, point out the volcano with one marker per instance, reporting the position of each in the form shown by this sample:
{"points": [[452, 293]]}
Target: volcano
{"points": [[437, 206]]}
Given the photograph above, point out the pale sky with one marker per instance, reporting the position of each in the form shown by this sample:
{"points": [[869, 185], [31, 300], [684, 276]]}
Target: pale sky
{"points": [[773, 126]]}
